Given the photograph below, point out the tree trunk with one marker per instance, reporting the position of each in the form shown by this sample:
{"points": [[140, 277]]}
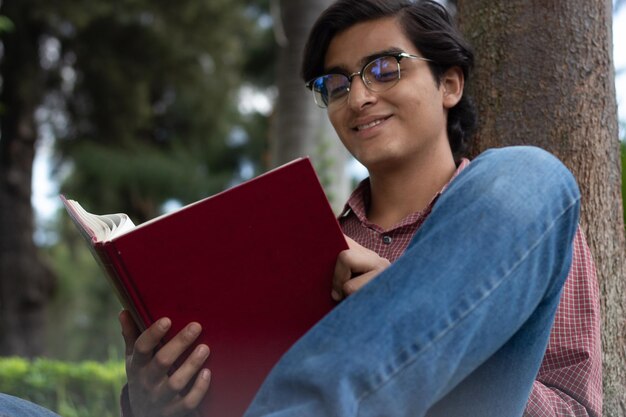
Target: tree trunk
{"points": [[544, 76], [25, 282], [299, 127]]}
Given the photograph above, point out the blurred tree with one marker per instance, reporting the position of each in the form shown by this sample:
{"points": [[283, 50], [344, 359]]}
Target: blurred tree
{"points": [[142, 98], [153, 101], [545, 76], [623, 146], [26, 283], [299, 127], [83, 313]]}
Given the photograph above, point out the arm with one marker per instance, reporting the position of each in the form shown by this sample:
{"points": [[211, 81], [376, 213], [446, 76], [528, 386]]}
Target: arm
{"points": [[152, 390], [569, 382]]}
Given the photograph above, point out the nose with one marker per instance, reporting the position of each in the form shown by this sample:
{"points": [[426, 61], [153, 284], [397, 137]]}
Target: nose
{"points": [[359, 95]]}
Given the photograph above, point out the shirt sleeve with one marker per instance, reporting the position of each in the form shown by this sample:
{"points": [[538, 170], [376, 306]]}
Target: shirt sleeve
{"points": [[569, 382]]}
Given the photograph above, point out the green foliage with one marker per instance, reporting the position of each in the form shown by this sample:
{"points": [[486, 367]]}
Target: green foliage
{"points": [[83, 315], [148, 114], [85, 389], [6, 25], [140, 175], [142, 99]]}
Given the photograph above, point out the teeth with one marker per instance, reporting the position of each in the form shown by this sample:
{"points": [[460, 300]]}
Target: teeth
{"points": [[372, 124]]}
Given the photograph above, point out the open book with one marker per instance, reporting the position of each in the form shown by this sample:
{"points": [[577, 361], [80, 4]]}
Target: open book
{"points": [[252, 264], [101, 227]]}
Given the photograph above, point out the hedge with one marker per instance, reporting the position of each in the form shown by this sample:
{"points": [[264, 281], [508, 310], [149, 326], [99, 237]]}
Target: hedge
{"points": [[85, 389]]}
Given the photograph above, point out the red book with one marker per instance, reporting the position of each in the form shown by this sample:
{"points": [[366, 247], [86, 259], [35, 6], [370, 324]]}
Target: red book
{"points": [[253, 265]]}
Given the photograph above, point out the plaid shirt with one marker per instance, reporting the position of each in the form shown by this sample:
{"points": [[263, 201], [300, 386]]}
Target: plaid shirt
{"points": [[569, 382]]}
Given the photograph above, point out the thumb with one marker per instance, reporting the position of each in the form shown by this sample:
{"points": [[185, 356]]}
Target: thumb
{"points": [[130, 332]]}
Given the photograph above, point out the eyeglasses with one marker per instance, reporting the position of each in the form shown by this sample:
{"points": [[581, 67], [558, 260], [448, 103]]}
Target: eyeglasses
{"points": [[378, 75]]}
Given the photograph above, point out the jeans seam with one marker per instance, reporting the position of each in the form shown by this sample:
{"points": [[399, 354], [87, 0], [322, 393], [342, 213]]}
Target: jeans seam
{"points": [[455, 324]]}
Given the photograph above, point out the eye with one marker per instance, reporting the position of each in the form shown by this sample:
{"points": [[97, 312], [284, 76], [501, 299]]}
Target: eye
{"points": [[382, 70], [336, 85]]}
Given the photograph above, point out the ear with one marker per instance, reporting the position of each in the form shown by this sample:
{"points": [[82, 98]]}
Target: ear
{"points": [[452, 84]]}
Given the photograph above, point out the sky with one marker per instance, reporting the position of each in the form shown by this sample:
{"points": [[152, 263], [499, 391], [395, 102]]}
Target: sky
{"points": [[45, 192]]}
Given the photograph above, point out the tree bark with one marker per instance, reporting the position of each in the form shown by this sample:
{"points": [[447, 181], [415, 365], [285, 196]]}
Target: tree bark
{"points": [[26, 284], [545, 76], [299, 127]]}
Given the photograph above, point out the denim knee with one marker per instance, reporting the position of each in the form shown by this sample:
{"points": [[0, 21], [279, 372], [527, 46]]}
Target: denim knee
{"points": [[530, 160], [522, 171], [16, 407]]}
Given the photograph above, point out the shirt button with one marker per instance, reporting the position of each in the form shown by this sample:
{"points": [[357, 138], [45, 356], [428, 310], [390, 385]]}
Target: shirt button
{"points": [[387, 240]]}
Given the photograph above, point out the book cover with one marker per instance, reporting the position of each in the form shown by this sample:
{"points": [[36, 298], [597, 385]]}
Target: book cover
{"points": [[252, 264]]}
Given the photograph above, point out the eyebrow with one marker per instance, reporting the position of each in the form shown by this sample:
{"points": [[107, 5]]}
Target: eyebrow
{"points": [[363, 61]]}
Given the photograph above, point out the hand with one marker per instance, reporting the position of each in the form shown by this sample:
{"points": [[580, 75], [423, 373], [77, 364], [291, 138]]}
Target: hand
{"points": [[152, 392], [355, 267]]}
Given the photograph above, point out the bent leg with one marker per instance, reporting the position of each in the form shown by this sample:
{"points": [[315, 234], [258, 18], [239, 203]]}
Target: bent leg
{"points": [[471, 302], [16, 407]]}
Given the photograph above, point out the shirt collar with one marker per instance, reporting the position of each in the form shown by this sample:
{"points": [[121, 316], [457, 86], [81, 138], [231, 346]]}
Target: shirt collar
{"points": [[360, 198]]}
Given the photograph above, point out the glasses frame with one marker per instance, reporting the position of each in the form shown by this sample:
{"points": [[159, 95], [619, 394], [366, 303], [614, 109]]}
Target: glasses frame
{"points": [[398, 56]]}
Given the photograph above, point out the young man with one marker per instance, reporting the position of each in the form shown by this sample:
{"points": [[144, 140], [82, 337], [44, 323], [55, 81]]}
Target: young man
{"points": [[465, 263]]}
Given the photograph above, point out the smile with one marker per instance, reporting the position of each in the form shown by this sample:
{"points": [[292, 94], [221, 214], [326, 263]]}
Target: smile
{"points": [[370, 124]]}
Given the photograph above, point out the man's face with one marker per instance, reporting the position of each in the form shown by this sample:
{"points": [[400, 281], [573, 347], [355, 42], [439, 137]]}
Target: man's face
{"points": [[387, 129]]}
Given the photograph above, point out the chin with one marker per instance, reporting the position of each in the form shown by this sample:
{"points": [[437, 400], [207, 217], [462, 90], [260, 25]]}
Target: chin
{"points": [[376, 162]]}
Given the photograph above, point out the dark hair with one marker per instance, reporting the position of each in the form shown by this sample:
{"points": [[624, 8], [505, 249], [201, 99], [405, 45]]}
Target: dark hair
{"points": [[427, 24]]}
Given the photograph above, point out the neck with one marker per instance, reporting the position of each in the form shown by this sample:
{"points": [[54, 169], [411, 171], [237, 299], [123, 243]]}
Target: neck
{"points": [[397, 193]]}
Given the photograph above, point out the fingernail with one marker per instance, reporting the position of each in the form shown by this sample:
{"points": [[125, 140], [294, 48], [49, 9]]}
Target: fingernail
{"points": [[202, 351], [335, 295], [194, 329], [164, 324], [205, 374]]}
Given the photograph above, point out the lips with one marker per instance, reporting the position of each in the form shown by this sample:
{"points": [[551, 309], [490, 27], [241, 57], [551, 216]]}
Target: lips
{"points": [[369, 123]]}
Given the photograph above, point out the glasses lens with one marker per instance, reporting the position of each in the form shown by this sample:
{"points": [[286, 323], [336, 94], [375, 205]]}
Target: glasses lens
{"points": [[330, 88], [382, 73]]}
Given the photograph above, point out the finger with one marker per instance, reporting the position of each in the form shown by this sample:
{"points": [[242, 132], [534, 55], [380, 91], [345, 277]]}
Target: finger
{"points": [[190, 402], [342, 273], [181, 378], [130, 332], [357, 283], [351, 242], [351, 262], [169, 353], [148, 340], [361, 259]]}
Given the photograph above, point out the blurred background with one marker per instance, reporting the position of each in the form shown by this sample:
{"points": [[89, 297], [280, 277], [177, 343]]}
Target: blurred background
{"points": [[142, 106]]}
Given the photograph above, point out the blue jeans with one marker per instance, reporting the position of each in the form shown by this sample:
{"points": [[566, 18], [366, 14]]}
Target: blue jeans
{"points": [[15, 407], [459, 324]]}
